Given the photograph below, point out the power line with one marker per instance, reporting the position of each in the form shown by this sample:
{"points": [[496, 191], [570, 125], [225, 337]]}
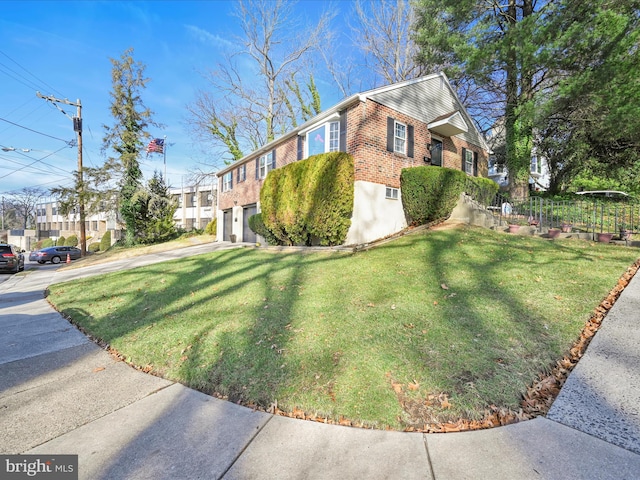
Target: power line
{"points": [[51, 169], [68, 142], [33, 85], [35, 161]]}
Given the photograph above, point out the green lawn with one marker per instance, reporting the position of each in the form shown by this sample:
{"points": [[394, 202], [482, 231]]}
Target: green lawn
{"points": [[443, 323]]}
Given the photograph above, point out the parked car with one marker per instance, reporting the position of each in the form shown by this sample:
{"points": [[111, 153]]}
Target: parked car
{"points": [[55, 254], [11, 258]]}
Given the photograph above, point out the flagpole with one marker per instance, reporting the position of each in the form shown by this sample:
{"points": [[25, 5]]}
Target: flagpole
{"points": [[164, 156]]}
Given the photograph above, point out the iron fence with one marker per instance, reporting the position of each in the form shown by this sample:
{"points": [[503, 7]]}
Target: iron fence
{"points": [[584, 214]]}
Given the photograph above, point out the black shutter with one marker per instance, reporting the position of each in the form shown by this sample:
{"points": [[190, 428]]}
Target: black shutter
{"points": [[464, 160], [475, 164], [390, 136], [300, 147], [238, 175], [273, 160], [410, 141], [343, 132], [231, 181], [257, 168]]}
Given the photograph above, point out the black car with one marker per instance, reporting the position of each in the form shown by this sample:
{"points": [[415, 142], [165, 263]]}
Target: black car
{"points": [[11, 258], [55, 254]]}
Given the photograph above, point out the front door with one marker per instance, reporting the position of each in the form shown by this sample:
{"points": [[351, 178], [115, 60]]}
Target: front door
{"points": [[436, 152], [248, 235]]}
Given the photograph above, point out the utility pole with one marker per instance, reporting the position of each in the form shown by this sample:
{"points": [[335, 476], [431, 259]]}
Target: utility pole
{"points": [[77, 127]]}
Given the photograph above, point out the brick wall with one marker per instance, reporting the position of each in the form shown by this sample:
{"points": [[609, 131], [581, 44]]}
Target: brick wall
{"points": [[248, 191], [367, 143]]}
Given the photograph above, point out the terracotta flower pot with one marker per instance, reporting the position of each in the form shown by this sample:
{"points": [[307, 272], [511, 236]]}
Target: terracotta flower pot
{"points": [[514, 228], [554, 233], [605, 237]]}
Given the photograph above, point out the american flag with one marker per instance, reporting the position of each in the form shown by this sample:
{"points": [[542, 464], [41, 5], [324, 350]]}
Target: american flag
{"points": [[155, 146]]}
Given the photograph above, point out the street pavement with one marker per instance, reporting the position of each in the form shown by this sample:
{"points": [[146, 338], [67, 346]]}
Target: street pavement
{"points": [[62, 394]]}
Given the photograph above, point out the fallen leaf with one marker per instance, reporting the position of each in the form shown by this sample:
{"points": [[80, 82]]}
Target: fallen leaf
{"points": [[444, 286], [98, 369]]}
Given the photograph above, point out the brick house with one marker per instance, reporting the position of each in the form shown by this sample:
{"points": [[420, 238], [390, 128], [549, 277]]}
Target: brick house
{"points": [[408, 124]]}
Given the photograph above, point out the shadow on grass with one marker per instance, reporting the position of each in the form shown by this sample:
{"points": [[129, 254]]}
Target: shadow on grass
{"points": [[257, 327]]}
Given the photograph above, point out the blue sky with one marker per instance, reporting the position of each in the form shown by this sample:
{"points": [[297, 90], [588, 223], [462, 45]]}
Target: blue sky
{"points": [[63, 48]]}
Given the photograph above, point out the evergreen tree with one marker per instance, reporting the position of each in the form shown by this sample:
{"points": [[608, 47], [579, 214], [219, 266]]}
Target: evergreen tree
{"points": [[157, 209], [125, 137], [588, 121], [496, 46]]}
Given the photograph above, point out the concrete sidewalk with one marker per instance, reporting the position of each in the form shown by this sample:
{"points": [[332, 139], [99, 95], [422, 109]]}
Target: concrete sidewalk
{"points": [[61, 394]]}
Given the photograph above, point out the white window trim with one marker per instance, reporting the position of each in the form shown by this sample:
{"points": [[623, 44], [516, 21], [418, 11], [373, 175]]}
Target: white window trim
{"points": [[226, 182], [392, 193], [265, 161], [327, 136], [396, 138], [468, 162], [536, 165]]}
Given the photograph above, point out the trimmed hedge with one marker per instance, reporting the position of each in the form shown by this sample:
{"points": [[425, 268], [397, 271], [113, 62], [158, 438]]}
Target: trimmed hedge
{"points": [[93, 247], [310, 201], [430, 193], [481, 189], [60, 241], [71, 241], [105, 241], [257, 226]]}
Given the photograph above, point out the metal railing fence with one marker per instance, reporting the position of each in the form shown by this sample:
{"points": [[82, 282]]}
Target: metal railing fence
{"points": [[584, 214]]}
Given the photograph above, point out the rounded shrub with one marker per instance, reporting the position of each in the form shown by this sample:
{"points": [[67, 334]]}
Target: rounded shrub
{"points": [[105, 241], [94, 247], [72, 241], [60, 241]]}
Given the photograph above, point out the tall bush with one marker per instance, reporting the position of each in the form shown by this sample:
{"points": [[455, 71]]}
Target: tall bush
{"points": [[60, 241], [310, 201], [257, 226], [212, 227], [430, 193], [105, 241]]}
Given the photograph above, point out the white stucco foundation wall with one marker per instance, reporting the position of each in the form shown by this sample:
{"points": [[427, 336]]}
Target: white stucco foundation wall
{"points": [[374, 216]]}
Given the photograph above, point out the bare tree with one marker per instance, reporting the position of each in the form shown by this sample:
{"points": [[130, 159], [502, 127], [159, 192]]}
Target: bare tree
{"points": [[383, 32], [257, 91], [24, 204]]}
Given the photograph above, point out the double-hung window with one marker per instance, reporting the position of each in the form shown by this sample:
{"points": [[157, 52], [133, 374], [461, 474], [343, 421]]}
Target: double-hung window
{"points": [[227, 181], [536, 165], [242, 173], [469, 160], [324, 139], [400, 138], [266, 163]]}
